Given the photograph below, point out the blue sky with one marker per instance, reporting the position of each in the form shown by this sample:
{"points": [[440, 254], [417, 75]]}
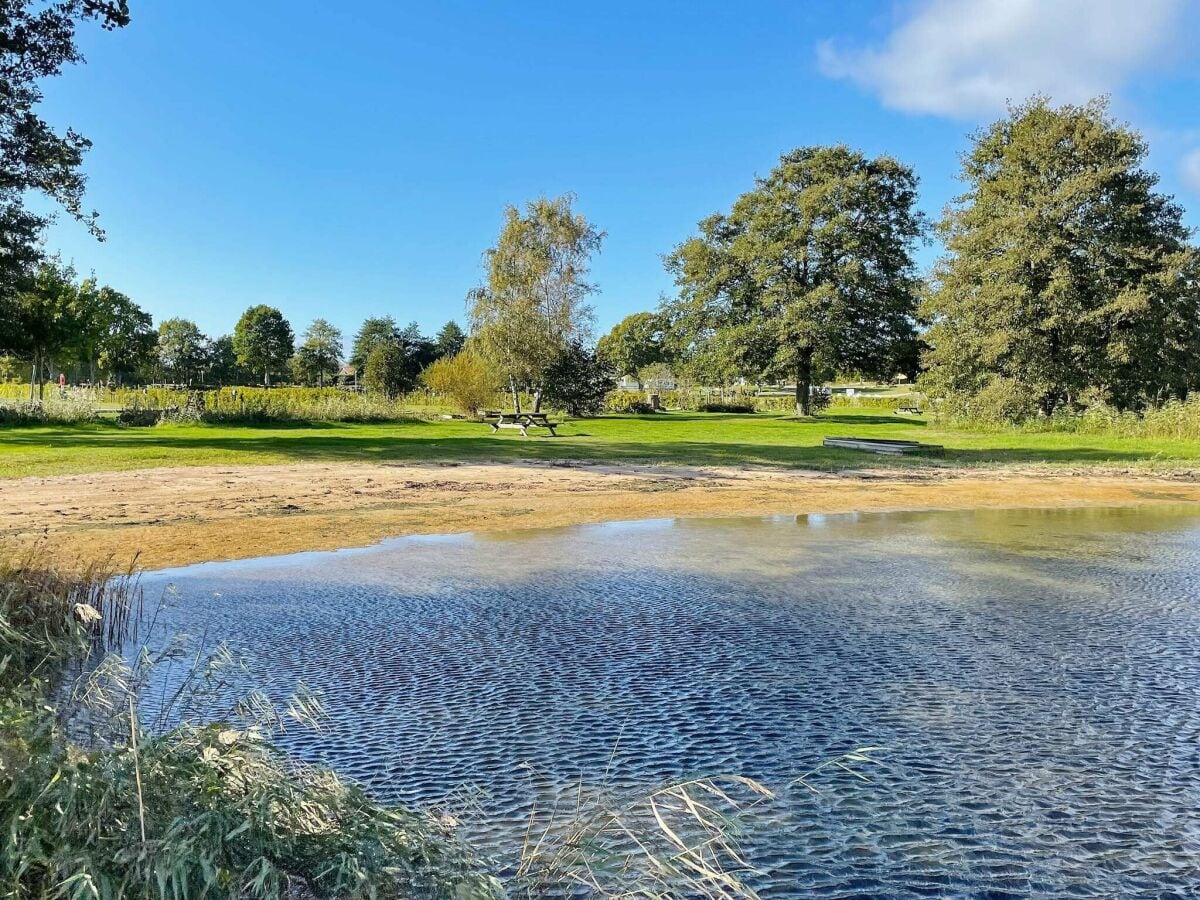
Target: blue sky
{"points": [[345, 160]]}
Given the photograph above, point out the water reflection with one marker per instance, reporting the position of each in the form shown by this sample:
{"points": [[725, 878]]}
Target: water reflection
{"points": [[1034, 674]]}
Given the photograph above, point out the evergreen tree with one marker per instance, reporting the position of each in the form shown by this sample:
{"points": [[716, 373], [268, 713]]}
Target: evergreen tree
{"points": [[1067, 275]]}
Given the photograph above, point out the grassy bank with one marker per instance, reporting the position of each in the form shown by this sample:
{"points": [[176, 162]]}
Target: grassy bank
{"points": [[682, 438]]}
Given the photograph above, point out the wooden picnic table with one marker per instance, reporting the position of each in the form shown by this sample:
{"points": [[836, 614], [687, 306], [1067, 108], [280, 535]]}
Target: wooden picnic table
{"points": [[520, 420]]}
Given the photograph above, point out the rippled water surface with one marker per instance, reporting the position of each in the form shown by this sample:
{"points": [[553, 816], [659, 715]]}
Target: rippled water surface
{"points": [[1034, 676]]}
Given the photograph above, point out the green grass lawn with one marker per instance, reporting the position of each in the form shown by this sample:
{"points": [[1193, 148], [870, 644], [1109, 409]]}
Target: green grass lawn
{"points": [[696, 438]]}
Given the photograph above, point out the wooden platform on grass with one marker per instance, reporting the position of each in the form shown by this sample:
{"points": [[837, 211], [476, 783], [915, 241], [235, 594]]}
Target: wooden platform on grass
{"points": [[876, 445]]}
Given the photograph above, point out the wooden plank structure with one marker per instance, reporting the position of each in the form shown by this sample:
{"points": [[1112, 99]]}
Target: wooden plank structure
{"points": [[519, 420], [876, 445]]}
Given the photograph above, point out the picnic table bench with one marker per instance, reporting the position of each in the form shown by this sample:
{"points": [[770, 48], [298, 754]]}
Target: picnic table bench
{"points": [[908, 411], [520, 420]]}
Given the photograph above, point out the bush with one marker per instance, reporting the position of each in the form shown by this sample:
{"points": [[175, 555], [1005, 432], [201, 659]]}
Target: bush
{"points": [[730, 407], [466, 379], [627, 402], [69, 411]]}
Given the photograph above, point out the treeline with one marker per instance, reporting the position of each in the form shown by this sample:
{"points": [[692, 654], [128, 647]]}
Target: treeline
{"points": [[57, 324], [1068, 282]]}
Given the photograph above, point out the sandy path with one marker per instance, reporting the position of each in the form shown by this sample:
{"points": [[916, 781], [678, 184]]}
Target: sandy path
{"points": [[174, 516]]}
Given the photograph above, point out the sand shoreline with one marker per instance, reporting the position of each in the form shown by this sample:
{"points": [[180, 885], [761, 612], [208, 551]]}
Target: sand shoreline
{"points": [[177, 516]]}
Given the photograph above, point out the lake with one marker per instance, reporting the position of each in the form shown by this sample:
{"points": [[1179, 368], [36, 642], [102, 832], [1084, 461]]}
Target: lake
{"points": [[1033, 675]]}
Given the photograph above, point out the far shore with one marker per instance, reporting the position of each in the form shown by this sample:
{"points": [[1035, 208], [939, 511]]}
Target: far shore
{"points": [[164, 517]]}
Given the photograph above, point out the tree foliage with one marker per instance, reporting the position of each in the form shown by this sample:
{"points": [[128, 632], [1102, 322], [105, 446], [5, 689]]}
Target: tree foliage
{"points": [[634, 343], [183, 351], [579, 380], [811, 272], [319, 353], [450, 339], [389, 370], [465, 378], [374, 331], [1066, 272], [37, 40], [533, 303], [263, 341], [44, 319]]}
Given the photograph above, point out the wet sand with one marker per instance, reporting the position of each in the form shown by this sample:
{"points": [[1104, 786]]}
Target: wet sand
{"points": [[175, 516]]}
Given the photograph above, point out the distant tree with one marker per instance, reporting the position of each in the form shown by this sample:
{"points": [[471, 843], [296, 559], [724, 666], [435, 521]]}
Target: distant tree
{"points": [[466, 379], [421, 351], [183, 351], [374, 331], [634, 343], [810, 273], [1066, 274], [126, 345], [43, 320], [319, 353], [223, 367], [450, 340], [113, 334], [263, 341], [388, 371], [534, 301], [579, 380]]}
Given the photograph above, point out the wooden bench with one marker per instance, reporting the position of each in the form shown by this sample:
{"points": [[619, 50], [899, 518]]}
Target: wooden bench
{"points": [[908, 411], [522, 421]]}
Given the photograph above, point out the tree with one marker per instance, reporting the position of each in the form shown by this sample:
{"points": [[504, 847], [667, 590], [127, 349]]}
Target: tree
{"points": [[533, 303], [374, 331], [113, 333], [388, 371], [36, 41], [263, 341], [127, 343], [223, 366], [450, 340], [421, 351], [810, 273], [466, 379], [579, 380], [43, 318], [319, 354], [183, 350], [1066, 273], [634, 343]]}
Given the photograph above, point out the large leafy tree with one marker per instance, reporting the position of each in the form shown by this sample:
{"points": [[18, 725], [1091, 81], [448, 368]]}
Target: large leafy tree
{"points": [[125, 342], [263, 341], [1066, 274], [533, 303], [319, 353], [633, 344], [810, 273], [37, 40], [43, 320], [183, 350]]}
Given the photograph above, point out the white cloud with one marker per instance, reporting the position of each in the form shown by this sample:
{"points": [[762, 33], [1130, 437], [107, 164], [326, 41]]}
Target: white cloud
{"points": [[968, 58], [1191, 170]]}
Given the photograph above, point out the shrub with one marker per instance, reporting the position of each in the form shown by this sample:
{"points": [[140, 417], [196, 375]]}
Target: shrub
{"points": [[726, 407], [466, 379], [627, 402], [69, 411]]}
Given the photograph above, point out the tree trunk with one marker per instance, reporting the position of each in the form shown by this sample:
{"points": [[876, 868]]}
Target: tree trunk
{"points": [[33, 374], [267, 377], [804, 384], [537, 400], [516, 397]]}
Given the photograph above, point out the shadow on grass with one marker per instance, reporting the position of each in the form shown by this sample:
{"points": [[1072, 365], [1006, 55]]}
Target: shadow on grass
{"points": [[347, 444]]}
